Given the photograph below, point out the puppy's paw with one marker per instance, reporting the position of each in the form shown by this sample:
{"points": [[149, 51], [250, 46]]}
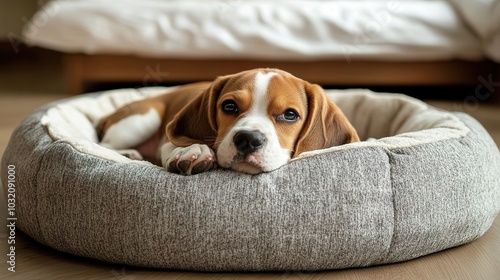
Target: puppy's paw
{"points": [[191, 160]]}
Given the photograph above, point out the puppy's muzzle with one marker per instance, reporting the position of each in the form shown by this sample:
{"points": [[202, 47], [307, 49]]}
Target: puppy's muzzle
{"points": [[248, 141]]}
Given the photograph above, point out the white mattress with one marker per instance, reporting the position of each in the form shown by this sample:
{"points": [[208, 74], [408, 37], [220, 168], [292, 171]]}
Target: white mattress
{"points": [[281, 30]]}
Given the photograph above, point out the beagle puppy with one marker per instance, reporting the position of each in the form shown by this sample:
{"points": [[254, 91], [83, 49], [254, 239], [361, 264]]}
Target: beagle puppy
{"points": [[254, 121]]}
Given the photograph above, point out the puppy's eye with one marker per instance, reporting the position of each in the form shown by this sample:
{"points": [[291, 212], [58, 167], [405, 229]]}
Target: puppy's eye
{"points": [[229, 107], [290, 115]]}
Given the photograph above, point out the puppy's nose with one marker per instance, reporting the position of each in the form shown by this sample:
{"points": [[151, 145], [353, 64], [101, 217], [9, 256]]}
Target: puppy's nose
{"points": [[247, 141]]}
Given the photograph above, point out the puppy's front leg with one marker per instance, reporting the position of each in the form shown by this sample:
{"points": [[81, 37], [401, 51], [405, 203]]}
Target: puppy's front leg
{"points": [[190, 160]]}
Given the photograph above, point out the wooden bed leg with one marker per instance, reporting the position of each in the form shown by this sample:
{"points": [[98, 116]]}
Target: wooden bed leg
{"points": [[73, 68]]}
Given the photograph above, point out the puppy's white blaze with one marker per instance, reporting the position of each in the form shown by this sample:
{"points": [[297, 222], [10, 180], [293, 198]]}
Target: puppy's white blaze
{"points": [[261, 83], [269, 157], [132, 131]]}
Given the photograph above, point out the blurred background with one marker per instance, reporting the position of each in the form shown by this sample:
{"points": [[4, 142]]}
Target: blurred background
{"points": [[428, 49]]}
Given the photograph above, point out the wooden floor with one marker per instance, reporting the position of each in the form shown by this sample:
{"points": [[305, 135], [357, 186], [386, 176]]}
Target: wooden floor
{"points": [[24, 87]]}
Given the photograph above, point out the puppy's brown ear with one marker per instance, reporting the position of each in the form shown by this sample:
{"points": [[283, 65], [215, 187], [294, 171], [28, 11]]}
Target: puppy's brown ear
{"points": [[195, 123], [326, 126]]}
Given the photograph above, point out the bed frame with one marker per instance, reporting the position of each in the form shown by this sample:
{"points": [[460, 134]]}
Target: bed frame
{"points": [[84, 70]]}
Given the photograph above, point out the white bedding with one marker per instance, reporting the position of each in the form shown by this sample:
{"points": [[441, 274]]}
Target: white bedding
{"points": [[484, 19], [297, 30]]}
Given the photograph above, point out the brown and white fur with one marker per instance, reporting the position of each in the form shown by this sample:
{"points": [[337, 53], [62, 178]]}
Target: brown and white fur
{"points": [[254, 121]]}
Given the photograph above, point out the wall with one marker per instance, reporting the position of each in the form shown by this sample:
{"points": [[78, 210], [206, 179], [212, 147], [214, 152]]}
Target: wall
{"points": [[13, 15]]}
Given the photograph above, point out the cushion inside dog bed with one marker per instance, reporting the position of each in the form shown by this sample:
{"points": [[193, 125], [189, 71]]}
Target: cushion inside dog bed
{"points": [[423, 180]]}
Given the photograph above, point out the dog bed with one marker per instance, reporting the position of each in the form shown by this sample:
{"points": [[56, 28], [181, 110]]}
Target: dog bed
{"points": [[422, 181]]}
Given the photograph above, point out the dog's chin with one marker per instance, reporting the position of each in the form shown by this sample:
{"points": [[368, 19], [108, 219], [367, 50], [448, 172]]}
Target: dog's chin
{"points": [[246, 167]]}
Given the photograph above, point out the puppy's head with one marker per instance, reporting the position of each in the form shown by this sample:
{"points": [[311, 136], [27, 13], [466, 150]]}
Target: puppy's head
{"points": [[258, 120]]}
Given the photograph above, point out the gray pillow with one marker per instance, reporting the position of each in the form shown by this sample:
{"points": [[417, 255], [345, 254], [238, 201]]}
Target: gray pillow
{"points": [[422, 181]]}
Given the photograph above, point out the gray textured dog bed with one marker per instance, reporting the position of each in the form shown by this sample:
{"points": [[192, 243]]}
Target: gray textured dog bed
{"points": [[429, 180]]}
